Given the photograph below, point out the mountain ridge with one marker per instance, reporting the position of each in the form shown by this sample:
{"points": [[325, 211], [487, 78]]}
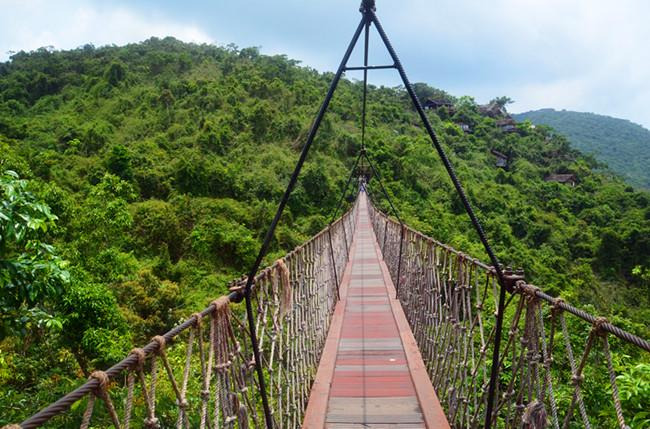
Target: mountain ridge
{"points": [[620, 143]]}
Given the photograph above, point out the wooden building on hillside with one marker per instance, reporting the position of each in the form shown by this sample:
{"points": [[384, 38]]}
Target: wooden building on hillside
{"points": [[507, 125], [567, 179], [432, 104], [502, 159], [465, 127], [492, 110]]}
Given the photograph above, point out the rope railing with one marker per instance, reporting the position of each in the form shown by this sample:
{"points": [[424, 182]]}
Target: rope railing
{"points": [[200, 374], [554, 356]]}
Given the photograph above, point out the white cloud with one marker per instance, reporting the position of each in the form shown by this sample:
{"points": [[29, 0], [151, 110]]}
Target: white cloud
{"points": [[32, 24], [589, 55]]}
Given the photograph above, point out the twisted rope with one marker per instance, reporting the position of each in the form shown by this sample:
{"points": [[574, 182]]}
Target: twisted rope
{"points": [[102, 392], [450, 304]]}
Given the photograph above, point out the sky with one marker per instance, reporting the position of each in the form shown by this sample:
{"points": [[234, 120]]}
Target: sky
{"points": [[584, 55]]}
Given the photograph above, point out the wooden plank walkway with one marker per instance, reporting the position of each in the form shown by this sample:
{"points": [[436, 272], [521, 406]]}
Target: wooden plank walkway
{"points": [[371, 374]]}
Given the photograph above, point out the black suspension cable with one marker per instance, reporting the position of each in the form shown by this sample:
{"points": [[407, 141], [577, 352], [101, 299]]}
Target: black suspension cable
{"points": [[333, 217], [365, 84], [370, 12], [375, 173], [345, 189], [271, 231], [401, 229]]}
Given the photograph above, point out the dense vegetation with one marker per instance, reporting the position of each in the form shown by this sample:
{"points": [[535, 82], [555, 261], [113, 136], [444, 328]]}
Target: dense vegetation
{"points": [[138, 180], [623, 145]]}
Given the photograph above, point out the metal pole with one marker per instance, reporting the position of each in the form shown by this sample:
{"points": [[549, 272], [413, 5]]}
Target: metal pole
{"points": [[399, 261], [271, 231], [365, 85], [386, 67], [336, 276], [468, 209]]}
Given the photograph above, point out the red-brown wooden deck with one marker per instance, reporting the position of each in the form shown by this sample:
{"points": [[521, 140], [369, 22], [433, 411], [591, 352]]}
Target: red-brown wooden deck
{"points": [[371, 374]]}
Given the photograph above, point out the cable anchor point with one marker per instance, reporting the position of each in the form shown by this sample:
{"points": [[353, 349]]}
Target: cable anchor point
{"points": [[367, 6], [512, 277]]}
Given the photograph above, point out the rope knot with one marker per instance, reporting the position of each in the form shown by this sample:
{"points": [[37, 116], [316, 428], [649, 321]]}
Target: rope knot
{"points": [[238, 287], [535, 416], [102, 378], [529, 290], [557, 306], [220, 304], [151, 423], [223, 366], [140, 354], [598, 326], [576, 379], [205, 394], [183, 404], [508, 394], [197, 318], [161, 341]]}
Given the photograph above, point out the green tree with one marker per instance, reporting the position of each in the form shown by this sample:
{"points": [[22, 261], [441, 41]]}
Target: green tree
{"points": [[153, 305], [424, 91], [93, 327], [502, 101], [610, 254], [119, 162], [31, 272], [116, 73]]}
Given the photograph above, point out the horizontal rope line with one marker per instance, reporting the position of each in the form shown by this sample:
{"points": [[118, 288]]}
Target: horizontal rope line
{"points": [[587, 317]]}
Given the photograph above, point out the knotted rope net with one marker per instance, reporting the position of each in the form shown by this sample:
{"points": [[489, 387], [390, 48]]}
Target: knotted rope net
{"points": [[450, 301], [201, 373]]}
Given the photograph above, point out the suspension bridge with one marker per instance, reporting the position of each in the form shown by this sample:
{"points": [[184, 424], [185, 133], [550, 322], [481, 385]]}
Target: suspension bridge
{"points": [[369, 324], [371, 350]]}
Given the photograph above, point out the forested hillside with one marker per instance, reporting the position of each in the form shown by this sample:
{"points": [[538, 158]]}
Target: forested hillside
{"points": [[623, 145], [152, 170]]}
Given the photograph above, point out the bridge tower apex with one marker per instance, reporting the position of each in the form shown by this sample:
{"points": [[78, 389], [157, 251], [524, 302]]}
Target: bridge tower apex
{"points": [[367, 5]]}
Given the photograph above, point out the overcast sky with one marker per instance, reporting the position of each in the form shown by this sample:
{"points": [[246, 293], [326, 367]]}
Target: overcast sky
{"points": [[585, 55]]}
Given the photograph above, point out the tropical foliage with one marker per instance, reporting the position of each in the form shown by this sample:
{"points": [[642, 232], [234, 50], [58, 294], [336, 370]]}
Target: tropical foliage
{"points": [[153, 170]]}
